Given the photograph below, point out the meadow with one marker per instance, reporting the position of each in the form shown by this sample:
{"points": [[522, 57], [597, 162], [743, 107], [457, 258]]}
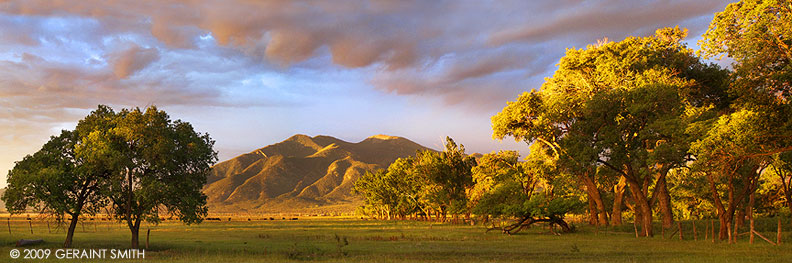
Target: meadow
{"points": [[345, 239]]}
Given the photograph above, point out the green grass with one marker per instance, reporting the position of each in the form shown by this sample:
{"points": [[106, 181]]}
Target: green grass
{"points": [[322, 239]]}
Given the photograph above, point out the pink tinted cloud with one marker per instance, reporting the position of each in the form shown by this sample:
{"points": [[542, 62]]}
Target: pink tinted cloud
{"points": [[392, 36], [132, 60]]}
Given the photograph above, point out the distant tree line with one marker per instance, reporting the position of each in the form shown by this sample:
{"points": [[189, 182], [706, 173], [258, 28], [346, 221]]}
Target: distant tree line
{"points": [[643, 127], [134, 165]]}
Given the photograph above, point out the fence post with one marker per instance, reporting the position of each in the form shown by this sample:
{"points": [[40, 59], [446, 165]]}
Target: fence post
{"points": [[736, 231], [9, 225], [30, 223], [752, 231]]}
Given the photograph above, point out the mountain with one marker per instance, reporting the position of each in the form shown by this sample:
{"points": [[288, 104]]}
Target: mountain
{"points": [[301, 174]]}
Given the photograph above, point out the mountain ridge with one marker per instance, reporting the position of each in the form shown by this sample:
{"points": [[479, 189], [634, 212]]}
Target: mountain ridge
{"points": [[301, 173]]}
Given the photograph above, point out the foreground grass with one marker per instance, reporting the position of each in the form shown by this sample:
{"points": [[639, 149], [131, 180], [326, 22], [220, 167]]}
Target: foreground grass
{"points": [[351, 240]]}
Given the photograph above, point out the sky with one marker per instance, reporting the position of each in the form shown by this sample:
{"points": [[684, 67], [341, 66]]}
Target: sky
{"points": [[254, 72]]}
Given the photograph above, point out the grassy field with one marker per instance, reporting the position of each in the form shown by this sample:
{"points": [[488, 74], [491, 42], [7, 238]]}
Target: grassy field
{"points": [[355, 240]]}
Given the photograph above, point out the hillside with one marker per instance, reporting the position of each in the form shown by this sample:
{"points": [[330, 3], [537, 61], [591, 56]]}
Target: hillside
{"points": [[301, 174]]}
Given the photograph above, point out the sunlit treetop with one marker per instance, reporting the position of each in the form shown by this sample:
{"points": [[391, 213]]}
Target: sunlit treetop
{"points": [[758, 36], [633, 63]]}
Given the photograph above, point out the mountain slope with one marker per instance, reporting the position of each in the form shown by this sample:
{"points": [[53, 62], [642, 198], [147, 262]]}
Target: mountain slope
{"points": [[301, 173]]}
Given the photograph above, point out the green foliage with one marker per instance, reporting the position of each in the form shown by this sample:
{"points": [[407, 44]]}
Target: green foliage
{"points": [[690, 195], [446, 177], [616, 102], [729, 140], [624, 106], [555, 207], [46, 180], [780, 175], [142, 163], [507, 199], [64, 177], [758, 36], [165, 164], [393, 192], [156, 166], [513, 189], [436, 181]]}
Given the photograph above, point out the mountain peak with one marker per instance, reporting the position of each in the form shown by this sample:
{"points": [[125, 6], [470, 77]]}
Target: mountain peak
{"points": [[298, 137], [383, 137]]}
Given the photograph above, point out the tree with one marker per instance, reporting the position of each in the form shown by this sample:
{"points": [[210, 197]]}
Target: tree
{"points": [[721, 155], [621, 105], [543, 116], [161, 166], [62, 178], [522, 190], [391, 193], [429, 182], [757, 34], [690, 194], [781, 167], [446, 178]]}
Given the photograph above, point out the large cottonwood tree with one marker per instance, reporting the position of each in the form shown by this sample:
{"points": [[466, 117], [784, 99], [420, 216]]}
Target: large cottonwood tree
{"points": [[64, 177], [161, 167], [622, 105], [757, 36]]}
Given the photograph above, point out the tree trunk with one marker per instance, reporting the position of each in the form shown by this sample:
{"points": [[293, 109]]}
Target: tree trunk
{"points": [[787, 192], [750, 206], [135, 237], [723, 231], [740, 219], [789, 205], [664, 200], [594, 194], [642, 204], [135, 229], [592, 218], [70, 233], [723, 216], [618, 199]]}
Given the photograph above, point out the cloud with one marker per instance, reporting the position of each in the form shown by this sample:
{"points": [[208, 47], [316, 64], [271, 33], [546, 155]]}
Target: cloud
{"points": [[386, 38], [132, 60], [612, 18]]}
